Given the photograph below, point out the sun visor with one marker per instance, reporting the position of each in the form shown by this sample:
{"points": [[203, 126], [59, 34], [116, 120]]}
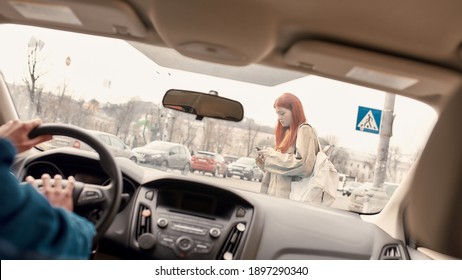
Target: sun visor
{"points": [[97, 17], [375, 70]]}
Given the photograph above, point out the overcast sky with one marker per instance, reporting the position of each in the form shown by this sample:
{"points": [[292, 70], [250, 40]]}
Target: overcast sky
{"points": [[330, 106]]}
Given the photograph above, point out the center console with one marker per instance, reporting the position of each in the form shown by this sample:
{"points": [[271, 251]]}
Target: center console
{"points": [[189, 222]]}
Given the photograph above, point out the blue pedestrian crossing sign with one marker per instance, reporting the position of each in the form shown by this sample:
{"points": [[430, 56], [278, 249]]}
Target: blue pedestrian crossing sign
{"points": [[368, 120]]}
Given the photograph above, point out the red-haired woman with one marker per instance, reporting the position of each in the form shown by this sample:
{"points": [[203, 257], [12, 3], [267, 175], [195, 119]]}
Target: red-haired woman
{"points": [[295, 152]]}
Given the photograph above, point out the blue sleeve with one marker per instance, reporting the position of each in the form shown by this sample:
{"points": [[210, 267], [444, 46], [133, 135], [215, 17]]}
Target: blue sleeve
{"points": [[28, 223]]}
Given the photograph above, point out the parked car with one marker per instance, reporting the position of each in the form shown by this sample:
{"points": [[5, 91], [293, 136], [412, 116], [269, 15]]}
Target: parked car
{"points": [[230, 159], [117, 147], [258, 174], [368, 199], [245, 167], [342, 180], [165, 155], [349, 187], [115, 144], [208, 162]]}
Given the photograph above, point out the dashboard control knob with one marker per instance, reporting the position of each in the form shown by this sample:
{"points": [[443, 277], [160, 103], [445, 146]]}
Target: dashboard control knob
{"points": [[147, 241], [228, 256], [214, 232], [240, 212], [184, 243], [162, 222]]}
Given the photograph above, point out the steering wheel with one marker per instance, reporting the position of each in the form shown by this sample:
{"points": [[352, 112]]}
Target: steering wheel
{"points": [[106, 198]]}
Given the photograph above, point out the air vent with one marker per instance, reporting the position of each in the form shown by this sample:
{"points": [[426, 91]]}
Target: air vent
{"points": [[229, 249], [143, 223], [391, 252]]}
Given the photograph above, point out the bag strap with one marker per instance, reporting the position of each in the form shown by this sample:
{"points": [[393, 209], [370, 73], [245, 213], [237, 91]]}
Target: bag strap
{"points": [[320, 148], [316, 134]]}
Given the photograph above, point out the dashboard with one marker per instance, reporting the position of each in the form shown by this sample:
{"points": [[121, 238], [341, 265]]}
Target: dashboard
{"points": [[186, 220], [168, 216]]}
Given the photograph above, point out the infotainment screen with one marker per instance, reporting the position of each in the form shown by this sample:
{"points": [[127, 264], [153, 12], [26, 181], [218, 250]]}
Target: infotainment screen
{"points": [[191, 202], [198, 203]]}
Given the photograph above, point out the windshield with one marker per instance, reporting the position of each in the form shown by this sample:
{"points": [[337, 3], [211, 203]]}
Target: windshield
{"points": [[205, 155], [109, 85], [156, 145], [246, 161]]}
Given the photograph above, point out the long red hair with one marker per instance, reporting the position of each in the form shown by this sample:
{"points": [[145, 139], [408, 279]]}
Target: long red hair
{"points": [[286, 136]]}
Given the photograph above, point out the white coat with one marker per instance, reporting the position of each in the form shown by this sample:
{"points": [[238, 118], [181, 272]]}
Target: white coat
{"points": [[281, 168]]}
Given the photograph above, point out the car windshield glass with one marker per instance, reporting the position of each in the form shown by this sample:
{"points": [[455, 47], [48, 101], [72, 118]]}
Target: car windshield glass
{"points": [[204, 155], [158, 146], [117, 87], [246, 161]]}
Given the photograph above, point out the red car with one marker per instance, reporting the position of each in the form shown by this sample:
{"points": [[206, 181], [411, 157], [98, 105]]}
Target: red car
{"points": [[209, 162]]}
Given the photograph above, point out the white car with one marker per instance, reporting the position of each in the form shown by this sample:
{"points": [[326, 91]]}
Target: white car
{"points": [[368, 198], [117, 147]]}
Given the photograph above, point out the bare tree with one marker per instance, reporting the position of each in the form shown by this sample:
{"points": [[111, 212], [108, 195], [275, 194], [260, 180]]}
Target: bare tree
{"points": [[52, 107], [158, 123], [189, 134], [34, 75], [339, 157], [224, 137], [216, 136], [61, 110], [173, 125], [78, 113], [123, 115], [209, 134], [251, 135]]}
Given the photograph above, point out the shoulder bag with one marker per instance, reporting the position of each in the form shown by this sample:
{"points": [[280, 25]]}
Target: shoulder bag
{"points": [[321, 186]]}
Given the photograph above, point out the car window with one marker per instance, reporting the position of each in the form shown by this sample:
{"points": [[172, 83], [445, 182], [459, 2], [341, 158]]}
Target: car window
{"points": [[230, 159], [105, 139], [175, 151], [85, 86], [117, 143]]}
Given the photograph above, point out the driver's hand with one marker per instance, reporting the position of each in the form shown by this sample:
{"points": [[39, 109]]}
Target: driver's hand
{"points": [[55, 192], [17, 132]]}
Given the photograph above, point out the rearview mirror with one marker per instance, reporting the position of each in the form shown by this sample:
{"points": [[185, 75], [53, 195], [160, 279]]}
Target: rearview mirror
{"points": [[203, 105]]}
